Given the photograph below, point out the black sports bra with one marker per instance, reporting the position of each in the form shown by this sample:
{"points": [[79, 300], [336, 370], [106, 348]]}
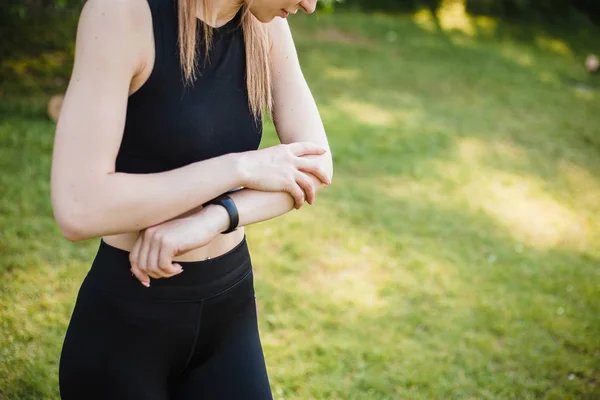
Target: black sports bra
{"points": [[168, 124]]}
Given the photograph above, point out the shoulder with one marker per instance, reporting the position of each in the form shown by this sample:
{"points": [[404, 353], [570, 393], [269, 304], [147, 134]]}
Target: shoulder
{"points": [[116, 16], [115, 10], [114, 28]]}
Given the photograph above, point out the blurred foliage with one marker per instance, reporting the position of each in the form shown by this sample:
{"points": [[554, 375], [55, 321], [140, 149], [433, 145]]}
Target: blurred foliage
{"points": [[36, 49], [546, 10], [552, 10], [28, 27], [522, 9], [328, 5]]}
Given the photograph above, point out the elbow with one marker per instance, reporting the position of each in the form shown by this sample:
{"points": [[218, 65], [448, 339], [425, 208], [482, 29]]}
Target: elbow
{"points": [[73, 235], [75, 209], [71, 225], [71, 230]]}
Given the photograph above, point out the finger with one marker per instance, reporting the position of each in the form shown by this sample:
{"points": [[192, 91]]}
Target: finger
{"points": [[297, 194], [142, 258], [152, 274], [166, 263], [146, 263], [134, 261], [155, 271], [134, 254], [141, 276], [306, 149], [153, 256], [307, 186], [312, 167]]}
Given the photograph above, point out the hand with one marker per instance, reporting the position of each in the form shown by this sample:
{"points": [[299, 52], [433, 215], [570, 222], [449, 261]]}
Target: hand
{"points": [[282, 168], [153, 252]]}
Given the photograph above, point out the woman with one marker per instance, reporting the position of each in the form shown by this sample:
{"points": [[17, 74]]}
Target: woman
{"points": [[159, 129]]}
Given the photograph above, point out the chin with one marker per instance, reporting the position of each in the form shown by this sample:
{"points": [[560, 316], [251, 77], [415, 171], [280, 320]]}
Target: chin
{"points": [[265, 19], [262, 17]]}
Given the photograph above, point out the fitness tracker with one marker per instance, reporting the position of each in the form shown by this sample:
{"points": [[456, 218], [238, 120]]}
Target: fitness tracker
{"points": [[227, 202]]}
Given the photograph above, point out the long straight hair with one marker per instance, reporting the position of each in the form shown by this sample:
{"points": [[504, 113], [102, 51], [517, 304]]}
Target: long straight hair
{"points": [[258, 74]]}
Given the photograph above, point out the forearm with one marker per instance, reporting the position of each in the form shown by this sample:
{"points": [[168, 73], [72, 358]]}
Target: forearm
{"points": [[120, 202], [255, 206]]}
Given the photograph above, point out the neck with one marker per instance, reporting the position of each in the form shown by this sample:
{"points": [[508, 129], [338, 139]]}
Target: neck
{"points": [[217, 13]]}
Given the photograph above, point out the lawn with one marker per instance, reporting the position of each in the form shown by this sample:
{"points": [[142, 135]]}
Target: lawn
{"points": [[456, 255]]}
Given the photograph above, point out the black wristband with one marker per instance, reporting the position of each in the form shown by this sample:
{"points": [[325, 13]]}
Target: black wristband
{"points": [[229, 205]]}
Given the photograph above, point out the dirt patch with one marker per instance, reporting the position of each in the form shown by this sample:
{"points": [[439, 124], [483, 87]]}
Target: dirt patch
{"points": [[337, 36]]}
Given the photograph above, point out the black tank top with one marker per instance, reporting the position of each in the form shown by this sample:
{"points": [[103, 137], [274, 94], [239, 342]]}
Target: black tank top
{"points": [[168, 124]]}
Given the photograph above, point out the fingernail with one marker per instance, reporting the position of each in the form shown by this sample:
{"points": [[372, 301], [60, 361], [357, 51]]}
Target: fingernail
{"points": [[147, 284]]}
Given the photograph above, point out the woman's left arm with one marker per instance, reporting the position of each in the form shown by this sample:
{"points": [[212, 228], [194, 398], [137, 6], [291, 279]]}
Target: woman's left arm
{"points": [[296, 119], [295, 112]]}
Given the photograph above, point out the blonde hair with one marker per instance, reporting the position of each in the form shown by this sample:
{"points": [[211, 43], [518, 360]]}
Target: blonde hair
{"points": [[258, 76]]}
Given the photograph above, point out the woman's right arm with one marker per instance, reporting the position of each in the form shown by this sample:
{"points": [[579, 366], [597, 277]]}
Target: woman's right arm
{"points": [[89, 198]]}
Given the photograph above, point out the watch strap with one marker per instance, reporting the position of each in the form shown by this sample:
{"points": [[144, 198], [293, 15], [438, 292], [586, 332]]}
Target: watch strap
{"points": [[227, 202]]}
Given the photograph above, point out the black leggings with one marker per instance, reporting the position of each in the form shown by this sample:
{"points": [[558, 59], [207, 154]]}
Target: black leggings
{"points": [[193, 336]]}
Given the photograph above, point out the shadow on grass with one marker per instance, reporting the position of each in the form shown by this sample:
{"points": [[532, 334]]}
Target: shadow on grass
{"points": [[417, 291], [448, 279]]}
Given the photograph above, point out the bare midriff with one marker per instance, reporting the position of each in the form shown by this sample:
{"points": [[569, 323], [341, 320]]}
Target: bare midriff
{"points": [[219, 245]]}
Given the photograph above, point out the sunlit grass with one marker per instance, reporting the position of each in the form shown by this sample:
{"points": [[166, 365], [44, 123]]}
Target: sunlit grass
{"points": [[456, 255]]}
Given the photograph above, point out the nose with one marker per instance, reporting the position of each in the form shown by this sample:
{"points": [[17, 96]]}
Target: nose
{"points": [[309, 6]]}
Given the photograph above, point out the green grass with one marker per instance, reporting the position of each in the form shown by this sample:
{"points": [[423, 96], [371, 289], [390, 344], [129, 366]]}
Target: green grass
{"points": [[456, 255]]}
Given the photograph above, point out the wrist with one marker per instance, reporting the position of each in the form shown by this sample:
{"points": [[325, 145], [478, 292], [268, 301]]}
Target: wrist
{"points": [[239, 168], [217, 218]]}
